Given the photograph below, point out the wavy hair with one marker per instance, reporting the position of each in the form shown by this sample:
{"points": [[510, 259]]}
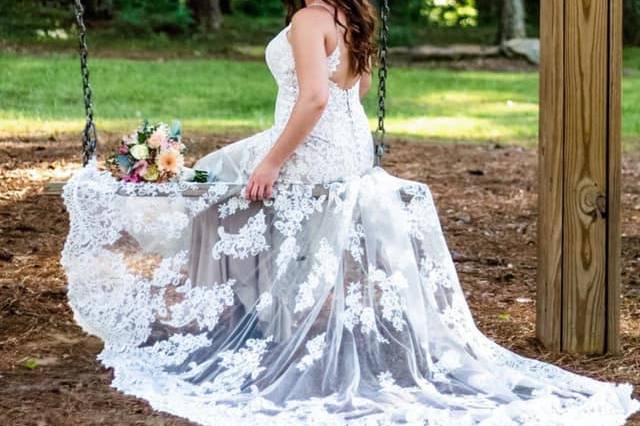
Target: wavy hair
{"points": [[359, 29]]}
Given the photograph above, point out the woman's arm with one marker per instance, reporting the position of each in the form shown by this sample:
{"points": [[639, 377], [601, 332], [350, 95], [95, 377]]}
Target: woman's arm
{"points": [[307, 36], [365, 84]]}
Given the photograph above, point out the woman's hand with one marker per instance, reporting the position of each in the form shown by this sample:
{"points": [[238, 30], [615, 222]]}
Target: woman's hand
{"points": [[260, 186]]}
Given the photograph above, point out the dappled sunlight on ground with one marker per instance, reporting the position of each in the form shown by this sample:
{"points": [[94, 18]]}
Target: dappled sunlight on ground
{"points": [[486, 199], [459, 128]]}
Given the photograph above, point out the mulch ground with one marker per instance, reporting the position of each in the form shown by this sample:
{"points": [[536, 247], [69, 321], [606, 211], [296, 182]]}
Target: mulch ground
{"points": [[486, 196]]}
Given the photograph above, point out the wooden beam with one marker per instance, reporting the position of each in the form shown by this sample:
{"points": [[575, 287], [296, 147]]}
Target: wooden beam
{"points": [[194, 190], [584, 235], [614, 176], [579, 182], [550, 188]]}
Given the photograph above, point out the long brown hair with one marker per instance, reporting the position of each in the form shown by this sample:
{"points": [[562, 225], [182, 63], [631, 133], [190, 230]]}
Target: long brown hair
{"points": [[359, 29]]}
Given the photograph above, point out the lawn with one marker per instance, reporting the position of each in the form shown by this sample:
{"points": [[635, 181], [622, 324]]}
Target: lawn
{"points": [[41, 95]]}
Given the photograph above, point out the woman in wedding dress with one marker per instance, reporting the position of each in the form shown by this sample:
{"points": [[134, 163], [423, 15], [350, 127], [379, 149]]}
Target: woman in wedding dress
{"points": [[304, 286]]}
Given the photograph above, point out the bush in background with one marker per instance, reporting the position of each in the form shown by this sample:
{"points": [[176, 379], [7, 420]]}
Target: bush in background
{"points": [[631, 16], [412, 21], [27, 17], [153, 16], [257, 8]]}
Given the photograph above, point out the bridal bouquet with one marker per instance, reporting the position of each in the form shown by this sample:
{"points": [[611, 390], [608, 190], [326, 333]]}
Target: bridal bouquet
{"points": [[153, 153]]}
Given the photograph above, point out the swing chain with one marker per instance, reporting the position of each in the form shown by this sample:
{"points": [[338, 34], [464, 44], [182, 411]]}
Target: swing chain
{"points": [[381, 147], [89, 135]]}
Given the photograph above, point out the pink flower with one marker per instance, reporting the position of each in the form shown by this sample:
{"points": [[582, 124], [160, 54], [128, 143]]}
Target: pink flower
{"points": [[158, 138], [123, 149], [140, 168], [131, 178]]}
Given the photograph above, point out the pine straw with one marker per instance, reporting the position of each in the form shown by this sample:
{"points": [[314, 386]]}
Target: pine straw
{"points": [[486, 196]]}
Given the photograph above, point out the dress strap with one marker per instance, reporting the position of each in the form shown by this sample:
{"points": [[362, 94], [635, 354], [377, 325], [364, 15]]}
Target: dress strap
{"points": [[334, 57]]}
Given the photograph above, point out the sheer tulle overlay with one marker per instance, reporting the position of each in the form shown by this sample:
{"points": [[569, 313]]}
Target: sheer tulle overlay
{"points": [[336, 302]]}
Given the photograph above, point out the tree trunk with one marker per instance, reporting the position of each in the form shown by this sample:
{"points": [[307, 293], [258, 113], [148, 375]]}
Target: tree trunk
{"points": [[215, 15], [512, 24], [207, 14]]}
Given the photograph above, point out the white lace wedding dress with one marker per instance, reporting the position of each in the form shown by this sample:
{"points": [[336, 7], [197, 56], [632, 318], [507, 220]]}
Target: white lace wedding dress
{"points": [[337, 302]]}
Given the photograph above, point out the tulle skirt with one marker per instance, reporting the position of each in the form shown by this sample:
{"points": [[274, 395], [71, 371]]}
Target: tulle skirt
{"points": [[335, 303]]}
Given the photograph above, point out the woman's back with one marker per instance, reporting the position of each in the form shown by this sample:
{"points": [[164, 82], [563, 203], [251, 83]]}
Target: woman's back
{"points": [[340, 144]]}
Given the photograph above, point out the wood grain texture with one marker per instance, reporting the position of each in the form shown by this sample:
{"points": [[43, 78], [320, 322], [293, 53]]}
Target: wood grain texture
{"points": [[585, 177], [579, 183], [614, 175], [550, 182]]}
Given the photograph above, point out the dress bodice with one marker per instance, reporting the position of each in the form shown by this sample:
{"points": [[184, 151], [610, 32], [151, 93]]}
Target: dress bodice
{"points": [[338, 148], [340, 145]]}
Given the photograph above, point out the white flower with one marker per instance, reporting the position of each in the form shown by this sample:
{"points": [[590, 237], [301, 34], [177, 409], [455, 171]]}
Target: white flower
{"points": [[139, 152], [131, 139]]}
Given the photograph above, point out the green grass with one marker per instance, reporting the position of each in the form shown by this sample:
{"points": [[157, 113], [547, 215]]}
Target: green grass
{"points": [[41, 95]]}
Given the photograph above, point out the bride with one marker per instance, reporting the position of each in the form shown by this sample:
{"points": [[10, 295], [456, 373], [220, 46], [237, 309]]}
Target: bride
{"points": [[305, 286]]}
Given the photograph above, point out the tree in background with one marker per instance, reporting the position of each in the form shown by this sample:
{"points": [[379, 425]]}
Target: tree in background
{"points": [[148, 16], [512, 22], [180, 17], [207, 13]]}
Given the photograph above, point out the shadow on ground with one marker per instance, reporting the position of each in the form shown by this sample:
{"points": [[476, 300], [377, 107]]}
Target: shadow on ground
{"points": [[486, 196]]}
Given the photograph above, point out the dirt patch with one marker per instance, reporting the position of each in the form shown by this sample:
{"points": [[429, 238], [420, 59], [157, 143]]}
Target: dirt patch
{"points": [[486, 197]]}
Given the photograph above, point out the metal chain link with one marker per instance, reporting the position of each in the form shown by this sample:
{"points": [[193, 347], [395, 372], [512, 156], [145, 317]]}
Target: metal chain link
{"points": [[89, 135], [380, 146]]}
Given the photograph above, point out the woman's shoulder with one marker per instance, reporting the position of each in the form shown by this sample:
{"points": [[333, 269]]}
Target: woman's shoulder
{"points": [[311, 16]]}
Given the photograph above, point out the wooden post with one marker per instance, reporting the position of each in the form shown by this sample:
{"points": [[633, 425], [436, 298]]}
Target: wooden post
{"points": [[579, 179]]}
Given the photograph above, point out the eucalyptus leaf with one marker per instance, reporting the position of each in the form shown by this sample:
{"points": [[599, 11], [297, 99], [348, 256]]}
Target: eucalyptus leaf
{"points": [[124, 162], [176, 130]]}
